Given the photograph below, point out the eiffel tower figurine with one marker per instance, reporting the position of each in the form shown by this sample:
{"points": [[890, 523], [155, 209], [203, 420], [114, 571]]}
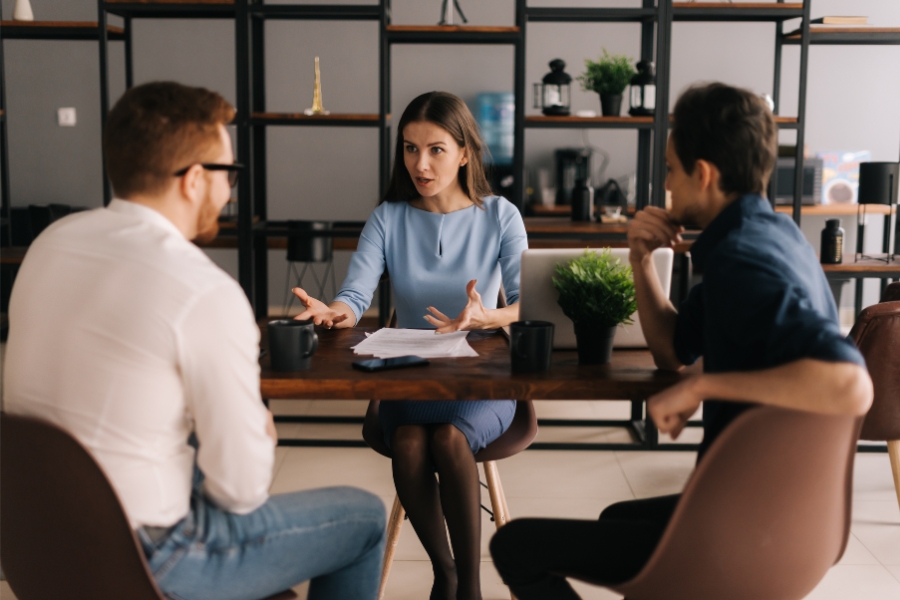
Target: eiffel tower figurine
{"points": [[447, 12], [317, 108]]}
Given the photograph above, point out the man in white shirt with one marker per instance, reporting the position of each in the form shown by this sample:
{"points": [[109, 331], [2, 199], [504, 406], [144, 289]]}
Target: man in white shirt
{"points": [[126, 335]]}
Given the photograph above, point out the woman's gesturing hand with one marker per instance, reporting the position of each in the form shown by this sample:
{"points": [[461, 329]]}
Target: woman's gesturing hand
{"points": [[318, 311], [473, 316]]}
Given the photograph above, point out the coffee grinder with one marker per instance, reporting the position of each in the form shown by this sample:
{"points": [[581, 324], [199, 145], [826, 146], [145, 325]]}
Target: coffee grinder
{"points": [[572, 164]]}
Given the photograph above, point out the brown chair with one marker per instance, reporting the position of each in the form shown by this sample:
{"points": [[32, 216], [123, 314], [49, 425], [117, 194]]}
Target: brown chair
{"points": [[515, 439], [64, 532], [877, 335], [765, 515]]}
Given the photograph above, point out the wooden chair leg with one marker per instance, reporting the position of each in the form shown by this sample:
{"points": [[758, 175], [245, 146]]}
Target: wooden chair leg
{"points": [[495, 489], [894, 453], [498, 497], [395, 523]]}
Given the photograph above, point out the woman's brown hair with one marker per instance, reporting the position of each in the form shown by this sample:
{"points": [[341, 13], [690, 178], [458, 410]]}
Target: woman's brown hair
{"points": [[450, 113]]}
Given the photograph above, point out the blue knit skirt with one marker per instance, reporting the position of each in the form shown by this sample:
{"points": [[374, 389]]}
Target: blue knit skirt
{"points": [[481, 421]]}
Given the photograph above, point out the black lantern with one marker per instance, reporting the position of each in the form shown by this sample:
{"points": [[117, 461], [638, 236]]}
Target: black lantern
{"points": [[553, 96], [878, 184], [643, 91]]}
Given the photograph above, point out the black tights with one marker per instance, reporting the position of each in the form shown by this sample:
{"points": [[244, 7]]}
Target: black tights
{"points": [[419, 451], [534, 556]]}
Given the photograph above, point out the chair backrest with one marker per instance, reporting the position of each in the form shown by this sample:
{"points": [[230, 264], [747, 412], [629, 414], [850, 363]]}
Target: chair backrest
{"points": [[64, 531], [877, 335], [765, 515], [519, 436]]}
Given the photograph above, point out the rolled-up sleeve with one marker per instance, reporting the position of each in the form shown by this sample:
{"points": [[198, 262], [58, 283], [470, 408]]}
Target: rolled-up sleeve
{"points": [[219, 347], [778, 321], [366, 266], [513, 242]]}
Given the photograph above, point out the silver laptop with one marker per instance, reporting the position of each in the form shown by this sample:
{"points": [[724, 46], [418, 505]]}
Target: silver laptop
{"points": [[537, 296]]}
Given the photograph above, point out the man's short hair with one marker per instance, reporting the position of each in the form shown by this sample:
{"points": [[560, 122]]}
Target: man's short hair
{"points": [[158, 128], [731, 128]]}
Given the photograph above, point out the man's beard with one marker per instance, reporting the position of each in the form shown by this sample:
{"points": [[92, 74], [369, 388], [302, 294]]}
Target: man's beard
{"points": [[207, 221]]}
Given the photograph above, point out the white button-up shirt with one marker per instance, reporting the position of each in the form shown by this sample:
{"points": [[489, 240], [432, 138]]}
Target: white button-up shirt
{"points": [[126, 334]]}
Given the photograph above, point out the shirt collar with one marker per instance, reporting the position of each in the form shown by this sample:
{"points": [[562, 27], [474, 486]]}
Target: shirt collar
{"points": [[731, 217], [144, 213]]}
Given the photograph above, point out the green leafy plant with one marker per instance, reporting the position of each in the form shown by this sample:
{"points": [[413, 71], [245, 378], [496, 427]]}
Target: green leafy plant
{"points": [[595, 290], [610, 75]]}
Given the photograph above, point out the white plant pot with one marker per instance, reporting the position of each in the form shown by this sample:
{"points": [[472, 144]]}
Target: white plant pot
{"points": [[22, 11]]}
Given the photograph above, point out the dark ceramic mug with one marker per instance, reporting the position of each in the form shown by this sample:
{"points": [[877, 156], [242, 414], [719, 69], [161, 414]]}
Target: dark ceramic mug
{"points": [[292, 344], [530, 346]]}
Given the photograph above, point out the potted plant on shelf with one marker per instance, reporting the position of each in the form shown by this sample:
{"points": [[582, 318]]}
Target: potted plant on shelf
{"points": [[596, 291], [608, 77]]}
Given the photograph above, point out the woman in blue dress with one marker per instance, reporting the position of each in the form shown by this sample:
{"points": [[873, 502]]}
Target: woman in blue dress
{"points": [[448, 244]]}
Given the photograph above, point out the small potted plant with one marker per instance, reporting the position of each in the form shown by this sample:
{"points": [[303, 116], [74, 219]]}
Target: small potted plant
{"points": [[608, 77], [596, 291]]}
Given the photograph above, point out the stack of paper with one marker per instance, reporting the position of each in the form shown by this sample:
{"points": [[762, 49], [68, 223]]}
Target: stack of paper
{"points": [[390, 343]]}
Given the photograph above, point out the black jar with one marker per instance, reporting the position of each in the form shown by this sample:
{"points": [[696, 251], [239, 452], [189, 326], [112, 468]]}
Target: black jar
{"points": [[582, 201], [832, 252]]}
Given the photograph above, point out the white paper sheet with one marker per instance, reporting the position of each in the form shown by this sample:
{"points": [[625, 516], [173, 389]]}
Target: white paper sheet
{"points": [[390, 343]]}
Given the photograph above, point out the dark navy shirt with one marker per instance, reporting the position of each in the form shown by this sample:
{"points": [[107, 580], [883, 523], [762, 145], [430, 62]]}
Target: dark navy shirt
{"points": [[764, 302]]}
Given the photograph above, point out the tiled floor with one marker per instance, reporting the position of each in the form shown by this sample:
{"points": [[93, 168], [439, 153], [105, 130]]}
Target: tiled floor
{"points": [[580, 485]]}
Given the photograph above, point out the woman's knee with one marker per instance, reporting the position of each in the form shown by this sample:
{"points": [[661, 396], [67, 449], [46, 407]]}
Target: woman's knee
{"points": [[446, 440], [409, 441]]}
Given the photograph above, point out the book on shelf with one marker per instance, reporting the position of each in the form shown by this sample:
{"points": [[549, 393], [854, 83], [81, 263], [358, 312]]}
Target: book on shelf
{"points": [[842, 20]]}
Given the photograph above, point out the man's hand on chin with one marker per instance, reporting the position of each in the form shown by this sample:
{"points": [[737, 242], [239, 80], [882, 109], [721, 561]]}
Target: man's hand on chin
{"points": [[671, 408], [651, 228]]}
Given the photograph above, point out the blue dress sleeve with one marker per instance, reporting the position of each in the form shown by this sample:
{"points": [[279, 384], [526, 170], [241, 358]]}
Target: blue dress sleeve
{"points": [[366, 265], [513, 241]]}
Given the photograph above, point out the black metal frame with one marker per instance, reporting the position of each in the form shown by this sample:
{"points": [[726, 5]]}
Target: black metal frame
{"points": [[36, 32]]}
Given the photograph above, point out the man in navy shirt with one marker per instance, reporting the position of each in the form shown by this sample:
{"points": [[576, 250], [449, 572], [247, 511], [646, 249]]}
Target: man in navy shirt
{"points": [[763, 320]]}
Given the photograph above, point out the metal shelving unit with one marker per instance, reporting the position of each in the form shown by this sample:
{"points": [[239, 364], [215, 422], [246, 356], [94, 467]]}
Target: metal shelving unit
{"points": [[36, 30], [655, 17]]}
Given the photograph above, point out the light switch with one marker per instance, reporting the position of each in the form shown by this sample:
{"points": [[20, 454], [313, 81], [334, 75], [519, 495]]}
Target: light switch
{"points": [[66, 117]]}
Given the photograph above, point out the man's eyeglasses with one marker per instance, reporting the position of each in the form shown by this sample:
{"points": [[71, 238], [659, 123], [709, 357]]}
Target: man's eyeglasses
{"points": [[233, 170]]}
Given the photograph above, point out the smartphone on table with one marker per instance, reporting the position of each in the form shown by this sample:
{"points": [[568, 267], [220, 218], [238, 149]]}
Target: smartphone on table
{"points": [[384, 364]]}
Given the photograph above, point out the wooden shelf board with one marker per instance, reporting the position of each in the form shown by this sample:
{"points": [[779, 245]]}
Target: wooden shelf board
{"points": [[55, 30], [624, 122], [850, 266], [834, 210], [847, 36], [12, 255], [449, 29]]}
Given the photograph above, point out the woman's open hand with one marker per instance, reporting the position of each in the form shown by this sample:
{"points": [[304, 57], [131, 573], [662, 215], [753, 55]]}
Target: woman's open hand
{"points": [[473, 316], [318, 311]]}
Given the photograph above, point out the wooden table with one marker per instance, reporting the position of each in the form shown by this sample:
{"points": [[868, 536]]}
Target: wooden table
{"points": [[631, 375]]}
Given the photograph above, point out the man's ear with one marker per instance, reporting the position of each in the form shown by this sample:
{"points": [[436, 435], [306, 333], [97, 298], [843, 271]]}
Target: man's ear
{"points": [[192, 184], [706, 174]]}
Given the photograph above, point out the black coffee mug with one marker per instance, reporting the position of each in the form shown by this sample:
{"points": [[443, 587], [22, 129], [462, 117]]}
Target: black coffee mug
{"points": [[530, 346], [291, 344]]}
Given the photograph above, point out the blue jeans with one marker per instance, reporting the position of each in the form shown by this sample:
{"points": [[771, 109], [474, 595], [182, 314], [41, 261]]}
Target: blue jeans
{"points": [[332, 536]]}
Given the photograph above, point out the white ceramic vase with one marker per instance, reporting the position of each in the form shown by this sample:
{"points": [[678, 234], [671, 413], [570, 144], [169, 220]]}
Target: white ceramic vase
{"points": [[22, 11]]}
